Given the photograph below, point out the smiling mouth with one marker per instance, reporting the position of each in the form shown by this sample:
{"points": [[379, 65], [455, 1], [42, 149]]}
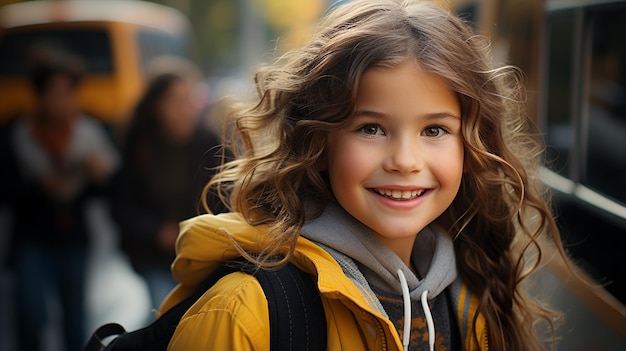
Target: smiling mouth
{"points": [[400, 194]]}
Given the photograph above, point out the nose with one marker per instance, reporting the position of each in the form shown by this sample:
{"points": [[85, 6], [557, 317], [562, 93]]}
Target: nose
{"points": [[405, 156]]}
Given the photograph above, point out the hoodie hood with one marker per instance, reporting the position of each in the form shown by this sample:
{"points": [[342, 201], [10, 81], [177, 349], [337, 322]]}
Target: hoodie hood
{"points": [[433, 254]]}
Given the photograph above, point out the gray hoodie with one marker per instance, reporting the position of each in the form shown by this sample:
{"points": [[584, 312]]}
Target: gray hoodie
{"points": [[374, 268]]}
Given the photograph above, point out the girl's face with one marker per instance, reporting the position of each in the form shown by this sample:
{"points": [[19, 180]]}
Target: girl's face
{"points": [[398, 163]]}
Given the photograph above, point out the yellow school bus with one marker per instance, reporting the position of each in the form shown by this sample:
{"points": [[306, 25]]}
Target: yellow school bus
{"points": [[114, 38]]}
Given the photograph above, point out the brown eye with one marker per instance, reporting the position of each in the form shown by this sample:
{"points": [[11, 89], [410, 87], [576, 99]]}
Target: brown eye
{"points": [[371, 129], [433, 132]]}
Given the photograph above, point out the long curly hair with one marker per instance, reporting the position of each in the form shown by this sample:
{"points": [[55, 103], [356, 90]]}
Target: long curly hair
{"points": [[500, 214]]}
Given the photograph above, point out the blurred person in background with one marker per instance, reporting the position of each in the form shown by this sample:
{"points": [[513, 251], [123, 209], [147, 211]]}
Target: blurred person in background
{"points": [[62, 159], [168, 158]]}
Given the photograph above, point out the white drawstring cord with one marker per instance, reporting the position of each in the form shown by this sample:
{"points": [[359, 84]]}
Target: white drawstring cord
{"points": [[429, 321], [406, 336]]}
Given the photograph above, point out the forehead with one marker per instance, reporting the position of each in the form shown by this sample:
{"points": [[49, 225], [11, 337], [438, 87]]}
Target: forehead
{"points": [[405, 86]]}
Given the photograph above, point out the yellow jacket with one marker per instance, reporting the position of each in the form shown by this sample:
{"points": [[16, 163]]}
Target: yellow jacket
{"points": [[234, 315]]}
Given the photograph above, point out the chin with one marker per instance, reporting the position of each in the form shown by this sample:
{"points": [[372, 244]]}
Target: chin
{"points": [[401, 232]]}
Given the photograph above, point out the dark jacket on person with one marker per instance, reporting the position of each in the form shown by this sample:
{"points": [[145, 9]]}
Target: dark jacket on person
{"points": [[162, 182]]}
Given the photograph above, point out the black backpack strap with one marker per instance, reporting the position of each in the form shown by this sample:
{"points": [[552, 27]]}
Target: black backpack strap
{"points": [[295, 308], [103, 332], [297, 319], [157, 335]]}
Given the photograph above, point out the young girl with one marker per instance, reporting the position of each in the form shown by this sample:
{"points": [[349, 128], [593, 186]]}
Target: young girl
{"points": [[391, 161]]}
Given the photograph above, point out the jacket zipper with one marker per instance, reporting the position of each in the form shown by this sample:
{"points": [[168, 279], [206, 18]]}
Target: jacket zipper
{"points": [[372, 318], [485, 345]]}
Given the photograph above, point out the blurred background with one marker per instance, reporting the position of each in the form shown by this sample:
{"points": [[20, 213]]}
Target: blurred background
{"points": [[122, 99]]}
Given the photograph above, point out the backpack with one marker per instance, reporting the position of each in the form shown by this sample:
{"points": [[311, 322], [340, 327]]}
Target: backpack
{"points": [[296, 313]]}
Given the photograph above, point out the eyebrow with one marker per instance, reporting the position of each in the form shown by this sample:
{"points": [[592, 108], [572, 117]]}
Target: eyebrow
{"points": [[430, 116]]}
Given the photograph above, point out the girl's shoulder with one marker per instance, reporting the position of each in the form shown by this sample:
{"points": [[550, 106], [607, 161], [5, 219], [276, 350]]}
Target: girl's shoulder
{"points": [[206, 241], [233, 313], [233, 294]]}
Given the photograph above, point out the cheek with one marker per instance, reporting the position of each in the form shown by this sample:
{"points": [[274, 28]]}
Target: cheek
{"points": [[449, 166], [348, 163]]}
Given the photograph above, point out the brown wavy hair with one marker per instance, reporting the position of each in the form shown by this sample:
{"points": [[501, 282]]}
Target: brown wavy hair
{"points": [[500, 213]]}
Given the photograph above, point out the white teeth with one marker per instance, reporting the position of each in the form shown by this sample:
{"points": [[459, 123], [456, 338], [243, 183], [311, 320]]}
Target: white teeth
{"points": [[399, 194]]}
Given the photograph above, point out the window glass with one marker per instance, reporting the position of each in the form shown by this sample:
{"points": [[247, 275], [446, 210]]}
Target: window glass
{"points": [[91, 45], [153, 44], [606, 98], [560, 127]]}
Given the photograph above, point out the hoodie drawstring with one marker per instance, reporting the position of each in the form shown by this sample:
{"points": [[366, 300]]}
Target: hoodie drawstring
{"points": [[406, 336], [429, 321]]}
